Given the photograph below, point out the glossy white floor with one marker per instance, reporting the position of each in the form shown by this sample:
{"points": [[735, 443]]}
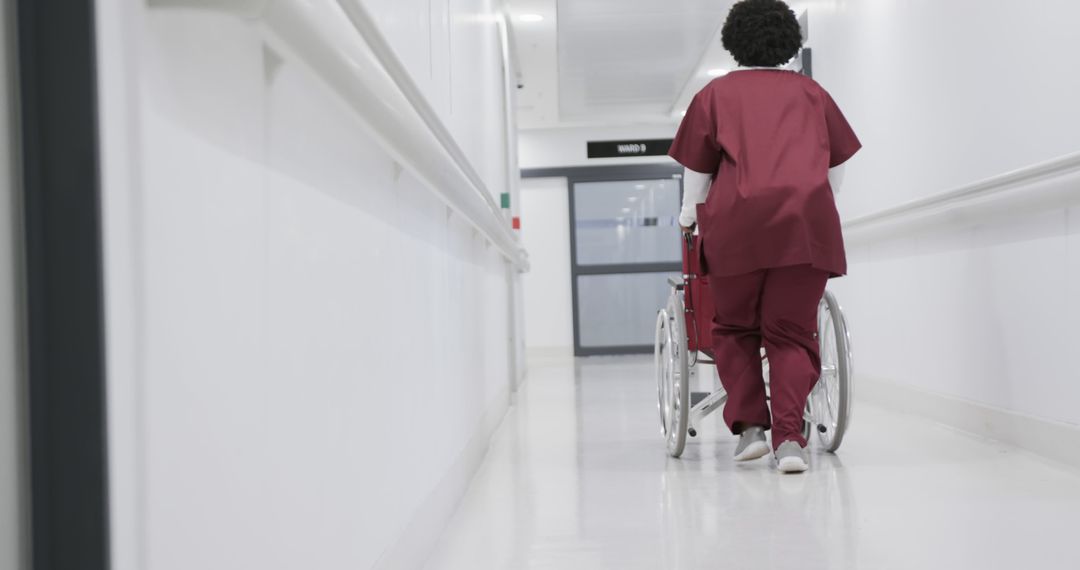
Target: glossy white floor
{"points": [[577, 478]]}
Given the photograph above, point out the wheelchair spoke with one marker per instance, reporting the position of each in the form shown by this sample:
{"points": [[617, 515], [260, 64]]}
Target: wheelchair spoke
{"points": [[829, 406]]}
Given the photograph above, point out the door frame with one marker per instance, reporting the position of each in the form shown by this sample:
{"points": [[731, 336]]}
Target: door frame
{"points": [[64, 285], [613, 173]]}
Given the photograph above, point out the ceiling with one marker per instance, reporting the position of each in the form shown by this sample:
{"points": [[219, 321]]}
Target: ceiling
{"points": [[614, 62]]}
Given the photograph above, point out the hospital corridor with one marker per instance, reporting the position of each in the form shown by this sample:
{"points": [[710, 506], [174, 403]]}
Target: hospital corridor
{"points": [[539, 284]]}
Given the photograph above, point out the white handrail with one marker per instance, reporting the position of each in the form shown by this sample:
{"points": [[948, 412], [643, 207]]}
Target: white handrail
{"points": [[376, 84], [978, 193], [366, 26], [342, 44]]}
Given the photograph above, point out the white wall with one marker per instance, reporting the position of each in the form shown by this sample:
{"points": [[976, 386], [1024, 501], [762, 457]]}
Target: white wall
{"points": [[944, 94], [12, 536], [553, 148], [545, 232], [307, 348]]}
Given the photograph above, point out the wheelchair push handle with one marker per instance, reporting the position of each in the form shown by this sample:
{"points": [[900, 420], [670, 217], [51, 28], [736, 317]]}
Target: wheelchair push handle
{"points": [[688, 238]]}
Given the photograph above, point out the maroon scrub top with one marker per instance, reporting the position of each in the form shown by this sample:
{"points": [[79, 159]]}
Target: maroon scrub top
{"points": [[769, 137]]}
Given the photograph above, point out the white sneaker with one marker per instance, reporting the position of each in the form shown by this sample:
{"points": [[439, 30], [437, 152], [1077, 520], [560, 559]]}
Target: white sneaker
{"points": [[751, 444], [792, 458]]}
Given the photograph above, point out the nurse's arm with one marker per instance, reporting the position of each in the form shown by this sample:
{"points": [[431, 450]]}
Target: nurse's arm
{"points": [[836, 177], [695, 189]]}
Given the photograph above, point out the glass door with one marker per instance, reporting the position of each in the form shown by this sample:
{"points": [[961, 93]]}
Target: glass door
{"points": [[624, 246]]}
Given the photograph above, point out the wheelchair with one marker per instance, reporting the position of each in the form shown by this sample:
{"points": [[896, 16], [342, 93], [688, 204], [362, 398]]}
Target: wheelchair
{"points": [[683, 341]]}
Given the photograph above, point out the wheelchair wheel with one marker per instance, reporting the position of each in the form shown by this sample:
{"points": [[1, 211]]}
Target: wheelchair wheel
{"points": [[672, 374], [830, 401]]}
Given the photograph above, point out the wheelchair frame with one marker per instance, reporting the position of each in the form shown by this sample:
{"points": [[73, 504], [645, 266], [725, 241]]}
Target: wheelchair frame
{"points": [[679, 350]]}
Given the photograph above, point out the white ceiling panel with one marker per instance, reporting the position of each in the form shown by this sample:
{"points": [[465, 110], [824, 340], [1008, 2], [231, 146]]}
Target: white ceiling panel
{"points": [[537, 46], [614, 62], [624, 59]]}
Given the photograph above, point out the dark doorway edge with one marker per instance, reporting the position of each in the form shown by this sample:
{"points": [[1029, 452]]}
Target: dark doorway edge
{"points": [[64, 285]]}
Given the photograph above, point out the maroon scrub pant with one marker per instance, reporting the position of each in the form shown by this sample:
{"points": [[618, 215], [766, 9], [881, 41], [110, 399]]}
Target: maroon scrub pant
{"points": [[777, 309]]}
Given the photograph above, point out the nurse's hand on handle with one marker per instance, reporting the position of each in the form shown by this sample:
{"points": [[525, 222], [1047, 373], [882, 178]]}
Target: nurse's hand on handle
{"points": [[695, 189]]}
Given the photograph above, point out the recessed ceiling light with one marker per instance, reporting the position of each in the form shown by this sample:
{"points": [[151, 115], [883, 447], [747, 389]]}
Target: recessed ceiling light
{"points": [[531, 18], [716, 72]]}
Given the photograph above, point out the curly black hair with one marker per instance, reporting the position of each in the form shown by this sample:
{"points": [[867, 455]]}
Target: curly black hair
{"points": [[762, 33]]}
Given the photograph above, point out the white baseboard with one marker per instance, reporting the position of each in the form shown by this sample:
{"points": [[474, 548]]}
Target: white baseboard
{"points": [[550, 352], [416, 542], [542, 355], [1057, 441]]}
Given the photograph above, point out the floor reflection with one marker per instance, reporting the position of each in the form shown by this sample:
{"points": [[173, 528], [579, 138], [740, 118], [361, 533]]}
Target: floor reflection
{"points": [[577, 477]]}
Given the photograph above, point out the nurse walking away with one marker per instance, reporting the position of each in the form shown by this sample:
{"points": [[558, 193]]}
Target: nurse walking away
{"points": [[762, 147]]}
